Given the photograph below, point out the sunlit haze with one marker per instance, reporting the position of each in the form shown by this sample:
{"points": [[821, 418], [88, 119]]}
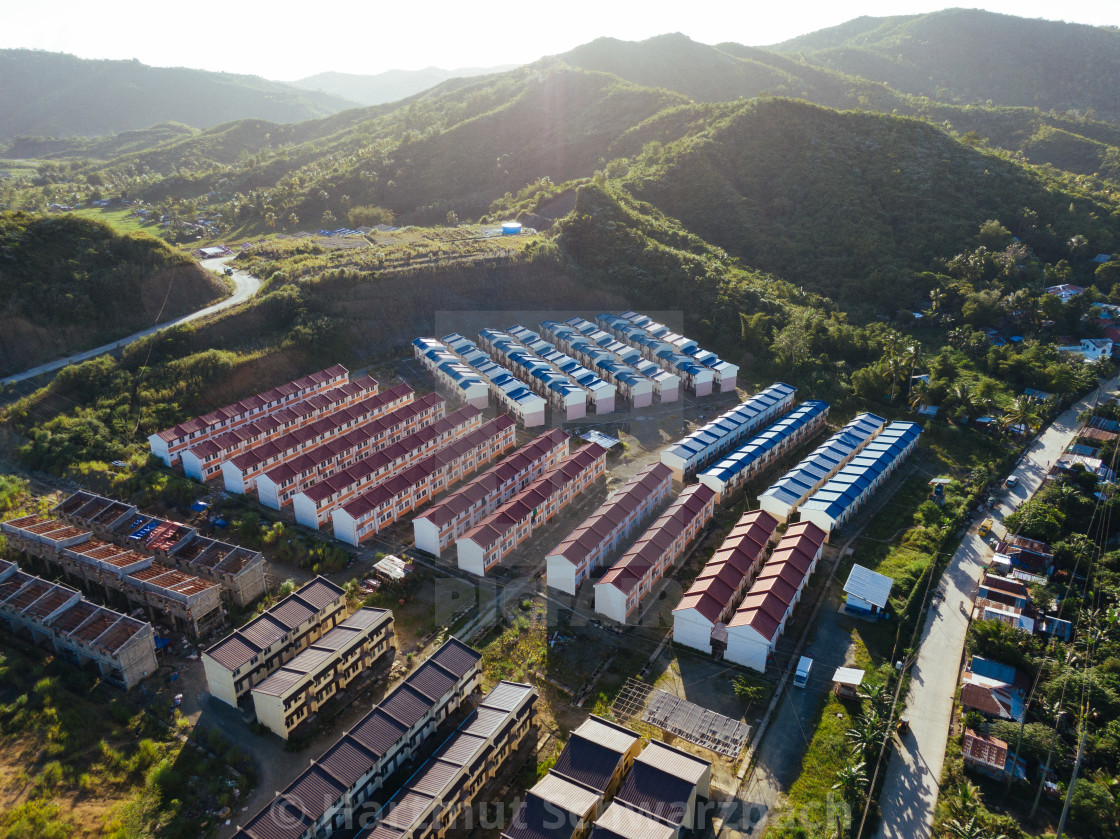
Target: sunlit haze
{"points": [[289, 41]]}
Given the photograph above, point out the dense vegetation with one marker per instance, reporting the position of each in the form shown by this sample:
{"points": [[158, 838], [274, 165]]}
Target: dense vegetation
{"points": [[969, 55], [70, 283], [60, 95]]}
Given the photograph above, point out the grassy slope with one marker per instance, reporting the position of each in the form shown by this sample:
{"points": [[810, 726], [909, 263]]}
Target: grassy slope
{"points": [[69, 283]]}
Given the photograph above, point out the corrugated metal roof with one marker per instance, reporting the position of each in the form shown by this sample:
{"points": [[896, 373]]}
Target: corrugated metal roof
{"points": [[869, 585]]}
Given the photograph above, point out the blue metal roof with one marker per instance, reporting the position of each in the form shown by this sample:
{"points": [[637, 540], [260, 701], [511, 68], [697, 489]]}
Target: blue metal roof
{"points": [[773, 436]]}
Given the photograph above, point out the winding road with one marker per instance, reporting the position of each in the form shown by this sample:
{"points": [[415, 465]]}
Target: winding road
{"points": [[245, 286], [914, 769]]}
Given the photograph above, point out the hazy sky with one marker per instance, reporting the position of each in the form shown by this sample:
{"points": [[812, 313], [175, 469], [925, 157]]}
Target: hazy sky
{"points": [[284, 40]]}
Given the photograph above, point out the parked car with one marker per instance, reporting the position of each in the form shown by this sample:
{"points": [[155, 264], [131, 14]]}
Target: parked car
{"points": [[1011, 482]]}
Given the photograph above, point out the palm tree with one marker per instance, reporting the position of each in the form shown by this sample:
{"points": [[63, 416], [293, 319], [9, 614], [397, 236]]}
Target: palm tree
{"points": [[851, 781], [960, 395], [970, 829], [919, 395], [868, 733], [966, 799], [1021, 413], [937, 298], [878, 696]]}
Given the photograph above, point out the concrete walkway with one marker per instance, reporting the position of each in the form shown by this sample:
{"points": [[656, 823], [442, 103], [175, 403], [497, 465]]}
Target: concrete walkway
{"points": [[914, 769], [245, 284]]}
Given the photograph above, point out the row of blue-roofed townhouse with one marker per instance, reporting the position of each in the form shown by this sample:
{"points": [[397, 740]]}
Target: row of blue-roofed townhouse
{"points": [[761, 450], [833, 505], [635, 388], [666, 384], [695, 375], [600, 393], [566, 397], [784, 497], [508, 391], [724, 373], [699, 448], [455, 377]]}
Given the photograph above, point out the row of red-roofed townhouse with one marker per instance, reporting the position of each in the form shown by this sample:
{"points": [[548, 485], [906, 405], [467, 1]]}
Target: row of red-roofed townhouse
{"points": [[622, 590], [398, 496], [280, 484], [314, 504], [203, 460], [700, 619], [169, 444], [761, 618], [435, 529], [608, 528], [240, 472], [481, 549]]}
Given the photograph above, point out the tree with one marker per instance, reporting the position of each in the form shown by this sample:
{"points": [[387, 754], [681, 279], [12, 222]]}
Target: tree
{"points": [[748, 690], [851, 782], [1092, 810], [370, 216], [970, 829], [993, 235], [1022, 414], [1077, 244]]}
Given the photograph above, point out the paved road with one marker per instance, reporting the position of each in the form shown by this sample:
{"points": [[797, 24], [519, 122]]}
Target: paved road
{"points": [[914, 770], [246, 286]]}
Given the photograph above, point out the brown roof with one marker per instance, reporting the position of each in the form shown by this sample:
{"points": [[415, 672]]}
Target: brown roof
{"points": [[984, 749]]}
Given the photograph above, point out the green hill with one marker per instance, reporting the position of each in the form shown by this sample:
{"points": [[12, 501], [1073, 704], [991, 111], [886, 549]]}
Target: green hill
{"points": [[968, 55], [58, 95], [849, 204], [70, 283]]}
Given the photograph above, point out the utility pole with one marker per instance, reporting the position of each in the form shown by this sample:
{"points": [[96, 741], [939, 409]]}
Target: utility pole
{"points": [[1022, 725], [1073, 779]]}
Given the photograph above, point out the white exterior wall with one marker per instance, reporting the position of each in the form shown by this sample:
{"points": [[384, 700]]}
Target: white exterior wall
{"points": [[714, 483], [233, 478], [775, 507], [345, 527], [576, 407], [472, 557], [426, 536], [158, 447], [267, 492], [746, 647], [674, 462], [692, 629], [306, 513], [821, 519], [192, 465], [604, 404], [560, 574], [642, 394], [534, 413], [477, 395], [671, 392], [219, 681], [610, 602], [702, 383]]}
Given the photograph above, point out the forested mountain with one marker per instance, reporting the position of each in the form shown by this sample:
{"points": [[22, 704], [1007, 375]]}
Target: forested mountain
{"points": [[968, 55], [69, 283], [58, 95], [851, 205], [389, 86]]}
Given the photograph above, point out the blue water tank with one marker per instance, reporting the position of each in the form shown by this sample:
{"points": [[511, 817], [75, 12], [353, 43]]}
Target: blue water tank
{"points": [[511, 228]]}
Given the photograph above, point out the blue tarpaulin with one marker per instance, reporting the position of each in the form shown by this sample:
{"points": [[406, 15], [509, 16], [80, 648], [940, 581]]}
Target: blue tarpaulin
{"points": [[199, 506], [162, 642]]}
